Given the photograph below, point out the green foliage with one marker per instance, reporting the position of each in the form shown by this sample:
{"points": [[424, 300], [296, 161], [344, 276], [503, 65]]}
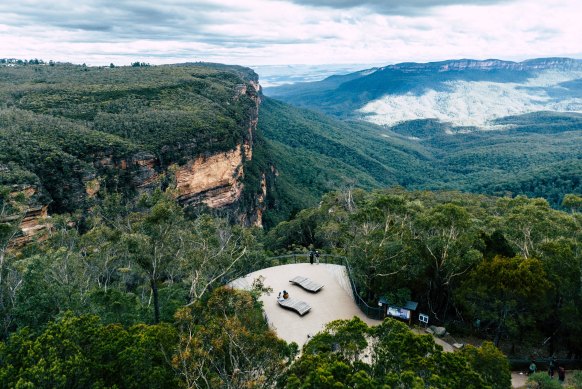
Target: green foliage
{"points": [[543, 381], [576, 380], [226, 342], [490, 363], [398, 358], [506, 294], [514, 264], [138, 262], [572, 202], [80, 352], [326, 371], [63, 126], [537, 157]]}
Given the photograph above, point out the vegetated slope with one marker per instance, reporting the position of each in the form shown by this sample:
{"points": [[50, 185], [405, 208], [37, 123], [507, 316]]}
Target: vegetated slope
{"points": [[314, 154], [539, 156], [531, 158], [529, 146], [73, 130]]}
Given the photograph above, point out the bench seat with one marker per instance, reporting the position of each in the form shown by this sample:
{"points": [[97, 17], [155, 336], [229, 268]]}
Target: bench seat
{"points": [[299, 306], [307, 284]]}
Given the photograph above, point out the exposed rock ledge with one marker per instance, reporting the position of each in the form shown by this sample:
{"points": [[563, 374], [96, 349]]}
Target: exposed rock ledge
{"points": [[33, 226], [215, 180]]}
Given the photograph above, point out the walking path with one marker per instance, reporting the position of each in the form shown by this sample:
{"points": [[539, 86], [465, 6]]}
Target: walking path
{"points": [[518, 379]]}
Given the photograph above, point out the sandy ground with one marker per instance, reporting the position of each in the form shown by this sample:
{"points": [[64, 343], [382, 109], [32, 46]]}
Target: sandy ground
{"points": [[518, 379], [334, 301]]}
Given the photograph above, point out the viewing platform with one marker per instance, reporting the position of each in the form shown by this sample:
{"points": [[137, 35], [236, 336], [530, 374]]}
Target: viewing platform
{"points": [[334, 301]]}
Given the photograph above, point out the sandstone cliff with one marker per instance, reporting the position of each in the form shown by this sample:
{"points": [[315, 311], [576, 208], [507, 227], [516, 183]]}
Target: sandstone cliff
{"points": [[211, 179], [216, 180], [31, 215], [190, 128]]}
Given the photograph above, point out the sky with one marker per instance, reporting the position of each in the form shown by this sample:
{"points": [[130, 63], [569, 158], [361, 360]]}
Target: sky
{"points": [[272, 32]]}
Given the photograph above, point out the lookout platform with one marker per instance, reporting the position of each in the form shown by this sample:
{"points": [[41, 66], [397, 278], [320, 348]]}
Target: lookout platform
{"points": [[334, 301]]}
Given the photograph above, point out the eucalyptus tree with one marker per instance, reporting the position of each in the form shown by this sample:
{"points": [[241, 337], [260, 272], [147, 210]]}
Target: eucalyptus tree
{"points": [[446, 237], [225, 342], [155, 241], [348, 353]]}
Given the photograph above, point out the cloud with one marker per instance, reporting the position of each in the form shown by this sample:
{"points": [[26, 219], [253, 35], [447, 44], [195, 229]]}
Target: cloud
{"points": [[125, 20], [256, 32], [395, 7]]}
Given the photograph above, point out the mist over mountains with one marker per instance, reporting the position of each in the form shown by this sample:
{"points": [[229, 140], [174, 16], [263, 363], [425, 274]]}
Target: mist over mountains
{"points": [[463, 93]]}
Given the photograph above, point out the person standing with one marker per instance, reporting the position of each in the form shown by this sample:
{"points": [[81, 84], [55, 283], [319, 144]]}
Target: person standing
{"points": [[561, 374], [311, 255], [317, 257], [552, 367]]}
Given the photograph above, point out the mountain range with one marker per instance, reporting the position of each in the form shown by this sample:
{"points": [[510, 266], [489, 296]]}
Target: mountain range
{"points": [[492, 126], [464, 93]]}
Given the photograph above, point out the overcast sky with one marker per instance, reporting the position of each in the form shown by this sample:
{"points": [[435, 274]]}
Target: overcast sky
{"points": [[266, 32]]}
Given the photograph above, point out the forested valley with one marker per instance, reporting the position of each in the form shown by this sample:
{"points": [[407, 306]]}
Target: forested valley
{"points": [[112, 275]]}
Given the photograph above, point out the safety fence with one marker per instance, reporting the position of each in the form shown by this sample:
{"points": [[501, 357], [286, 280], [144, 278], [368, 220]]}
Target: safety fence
{"points": [[542, 364]]}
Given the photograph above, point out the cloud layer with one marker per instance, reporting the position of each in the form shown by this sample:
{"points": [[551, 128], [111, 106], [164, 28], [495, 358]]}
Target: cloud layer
{"points": [[465, 103], [288, 32], [395, 7]]}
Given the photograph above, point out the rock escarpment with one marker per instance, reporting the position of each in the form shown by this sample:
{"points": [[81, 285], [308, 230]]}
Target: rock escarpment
{"points": [[28, 212], [190, 128], [214, 179]]}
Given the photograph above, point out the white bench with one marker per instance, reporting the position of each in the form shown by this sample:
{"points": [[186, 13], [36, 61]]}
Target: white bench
{"points": [[307, 284], [301, 307]]}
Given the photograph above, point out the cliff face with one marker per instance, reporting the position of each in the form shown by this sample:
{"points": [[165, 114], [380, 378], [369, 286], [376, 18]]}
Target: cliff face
{"points": [[214, 180], [191, 125], [489, 64], [33, 216], [34, 226]]}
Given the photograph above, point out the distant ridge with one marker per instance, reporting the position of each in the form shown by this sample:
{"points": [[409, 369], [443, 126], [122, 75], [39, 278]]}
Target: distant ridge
{"points": [[464, 92], [488, 64]]}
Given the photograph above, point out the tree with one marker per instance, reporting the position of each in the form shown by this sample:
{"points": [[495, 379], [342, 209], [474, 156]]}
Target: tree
{"points": [[446, 238], [13, 207], [491, 364], [506, 294], [155, 242], [76, 352], [216, 250], [379, 244], [527, 223], [572, 202], [542, 381], [225, 342], [398, 358]]}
